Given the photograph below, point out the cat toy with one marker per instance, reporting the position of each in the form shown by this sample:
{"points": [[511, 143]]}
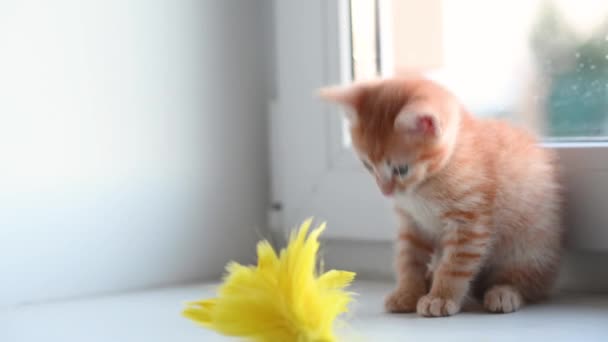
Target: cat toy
{"points": [[283, 298]]}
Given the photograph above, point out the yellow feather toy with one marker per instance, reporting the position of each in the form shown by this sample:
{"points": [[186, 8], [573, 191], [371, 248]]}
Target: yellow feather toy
{"points": [[282, 299]]}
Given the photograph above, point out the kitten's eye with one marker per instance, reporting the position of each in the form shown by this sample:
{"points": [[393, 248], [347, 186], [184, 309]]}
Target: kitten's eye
{"points": [[367, 165], [400, 170]]}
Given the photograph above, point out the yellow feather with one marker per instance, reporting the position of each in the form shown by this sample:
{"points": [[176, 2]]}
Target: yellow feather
{"points": [[282, 299]]}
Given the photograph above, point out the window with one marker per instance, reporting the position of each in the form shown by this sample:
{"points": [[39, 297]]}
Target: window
{"points": [[540, 63], [510, 59]]}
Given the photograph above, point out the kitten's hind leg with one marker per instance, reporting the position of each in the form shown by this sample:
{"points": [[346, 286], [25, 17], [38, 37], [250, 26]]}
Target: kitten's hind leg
{"points": [[502, 299], [507, 288]]}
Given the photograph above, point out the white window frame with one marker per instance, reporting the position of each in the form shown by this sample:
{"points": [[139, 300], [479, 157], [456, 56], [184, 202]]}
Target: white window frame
{"points": [[317, 178]]}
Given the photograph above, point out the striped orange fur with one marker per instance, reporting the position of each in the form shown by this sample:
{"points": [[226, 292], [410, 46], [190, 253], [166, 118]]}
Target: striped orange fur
{"points": [[463, 274], [465, 241], [416, 242], [463, 215], [474, 194], [467, 255]]}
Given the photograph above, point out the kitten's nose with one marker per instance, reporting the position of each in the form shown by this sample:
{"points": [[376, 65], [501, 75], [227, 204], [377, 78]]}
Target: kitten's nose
{"points": [[387, 191], [387, 187]]}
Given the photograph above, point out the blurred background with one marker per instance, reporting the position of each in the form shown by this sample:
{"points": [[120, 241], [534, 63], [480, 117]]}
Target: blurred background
{"points": [[540, 63], [145, 143], [133, 142]]}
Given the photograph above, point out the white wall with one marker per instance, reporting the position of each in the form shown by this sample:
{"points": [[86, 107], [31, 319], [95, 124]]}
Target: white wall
{"points": [[132, 142]]}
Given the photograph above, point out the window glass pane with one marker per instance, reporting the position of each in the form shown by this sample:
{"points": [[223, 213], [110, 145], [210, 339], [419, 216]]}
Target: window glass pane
{"points": [[541, 63], [363, 18]]}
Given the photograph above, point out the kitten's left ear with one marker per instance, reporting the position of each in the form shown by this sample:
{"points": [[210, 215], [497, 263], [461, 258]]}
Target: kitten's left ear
{"points": [[423, 124]]}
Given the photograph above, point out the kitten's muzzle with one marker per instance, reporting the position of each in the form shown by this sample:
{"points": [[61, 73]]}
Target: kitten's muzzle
{"points": [[387, 187]]}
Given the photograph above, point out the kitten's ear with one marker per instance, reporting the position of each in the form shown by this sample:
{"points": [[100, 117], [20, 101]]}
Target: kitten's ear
{"points": [[347, 96], [421, 123]]}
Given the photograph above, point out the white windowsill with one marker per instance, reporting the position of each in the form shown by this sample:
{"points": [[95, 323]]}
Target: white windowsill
{"points": [[155, 316]]}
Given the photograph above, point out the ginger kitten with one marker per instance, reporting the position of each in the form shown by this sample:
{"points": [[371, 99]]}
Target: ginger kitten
{"points": [[478, 200]]}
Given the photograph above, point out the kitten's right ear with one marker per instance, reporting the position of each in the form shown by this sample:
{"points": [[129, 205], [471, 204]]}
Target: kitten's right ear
{"points": [[346, 95]]}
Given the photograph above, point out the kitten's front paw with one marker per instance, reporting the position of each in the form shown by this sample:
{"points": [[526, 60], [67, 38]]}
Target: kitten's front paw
{"points": [[402, 301], [431, 306]]}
